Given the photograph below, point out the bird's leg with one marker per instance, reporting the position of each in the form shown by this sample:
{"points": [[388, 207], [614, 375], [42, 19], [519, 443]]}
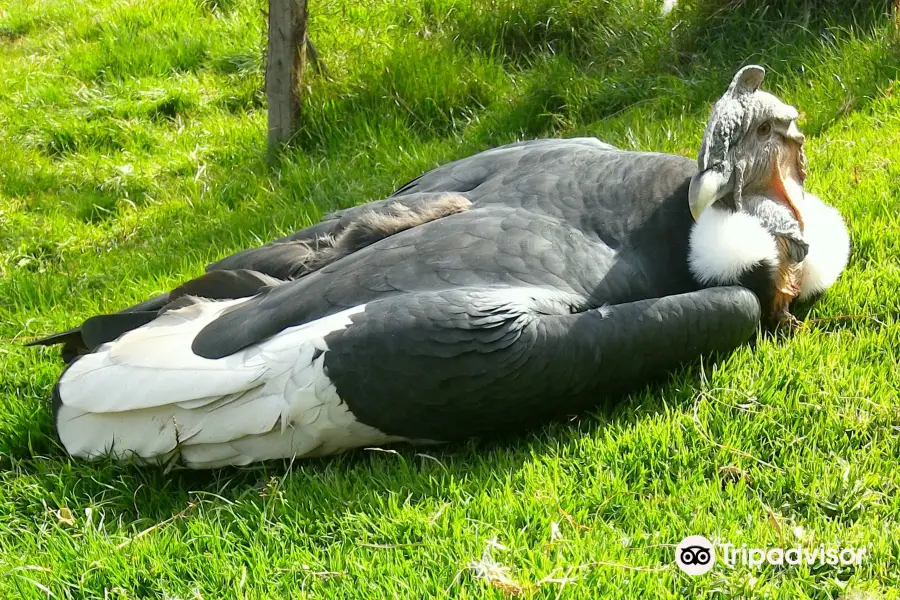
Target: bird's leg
{"points": [[787, 283]]}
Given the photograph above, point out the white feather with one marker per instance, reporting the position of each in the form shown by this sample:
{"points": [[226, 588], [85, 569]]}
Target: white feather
{"points": [[125, 374], [829, 245], [724, 245], [147, 396]]}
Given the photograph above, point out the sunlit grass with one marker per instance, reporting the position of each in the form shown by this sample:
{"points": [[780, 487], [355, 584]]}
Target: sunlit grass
{"points": [[132, 152]]}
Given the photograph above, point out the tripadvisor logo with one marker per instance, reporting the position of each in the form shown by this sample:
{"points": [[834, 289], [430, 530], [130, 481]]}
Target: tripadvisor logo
{"points": [[696, 555]]}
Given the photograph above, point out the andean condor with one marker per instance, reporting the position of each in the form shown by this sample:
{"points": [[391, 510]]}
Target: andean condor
{"points": [[492, 293]]}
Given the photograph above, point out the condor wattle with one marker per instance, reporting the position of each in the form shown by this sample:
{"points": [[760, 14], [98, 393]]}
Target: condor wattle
{"points": [[528, 281]]}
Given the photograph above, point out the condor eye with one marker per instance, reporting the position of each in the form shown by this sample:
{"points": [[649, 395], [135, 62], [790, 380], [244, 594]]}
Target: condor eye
{"points": [[764, 129]]}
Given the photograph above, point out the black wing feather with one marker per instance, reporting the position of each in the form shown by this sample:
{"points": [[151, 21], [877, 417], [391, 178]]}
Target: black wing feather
{"points": [[398, 368]]}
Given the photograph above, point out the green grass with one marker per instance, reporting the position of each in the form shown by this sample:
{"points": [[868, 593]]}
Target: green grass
{"points": [[132, 153]]}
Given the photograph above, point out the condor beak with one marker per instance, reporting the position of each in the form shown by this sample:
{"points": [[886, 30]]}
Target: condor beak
{"points": [[707, 187]]}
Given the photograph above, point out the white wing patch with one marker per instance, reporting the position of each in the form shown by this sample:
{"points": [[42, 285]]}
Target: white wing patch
{"points": [[147, 396]]}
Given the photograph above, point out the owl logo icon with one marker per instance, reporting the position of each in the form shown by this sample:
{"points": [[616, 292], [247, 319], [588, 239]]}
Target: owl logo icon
{"points": [[695, 555]]}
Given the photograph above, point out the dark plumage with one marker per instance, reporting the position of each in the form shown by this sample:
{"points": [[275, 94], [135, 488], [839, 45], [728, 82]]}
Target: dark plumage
{"points": [[578, 220], [489, 294]]}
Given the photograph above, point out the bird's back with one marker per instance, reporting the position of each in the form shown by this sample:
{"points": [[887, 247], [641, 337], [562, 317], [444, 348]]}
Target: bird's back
{"points": [[599, 225], [590, 185]]}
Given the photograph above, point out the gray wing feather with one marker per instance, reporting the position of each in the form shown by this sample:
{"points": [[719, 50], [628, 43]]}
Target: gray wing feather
{"points": [[458, 251]]}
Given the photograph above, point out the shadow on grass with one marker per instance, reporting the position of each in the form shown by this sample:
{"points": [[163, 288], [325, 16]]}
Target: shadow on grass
{"points": [[322, 493], [521, 33], [574, 63], [354, 482]]}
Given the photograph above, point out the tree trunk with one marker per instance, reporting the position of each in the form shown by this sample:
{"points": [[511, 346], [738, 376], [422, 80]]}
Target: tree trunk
{"points": [[284, 69]]}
